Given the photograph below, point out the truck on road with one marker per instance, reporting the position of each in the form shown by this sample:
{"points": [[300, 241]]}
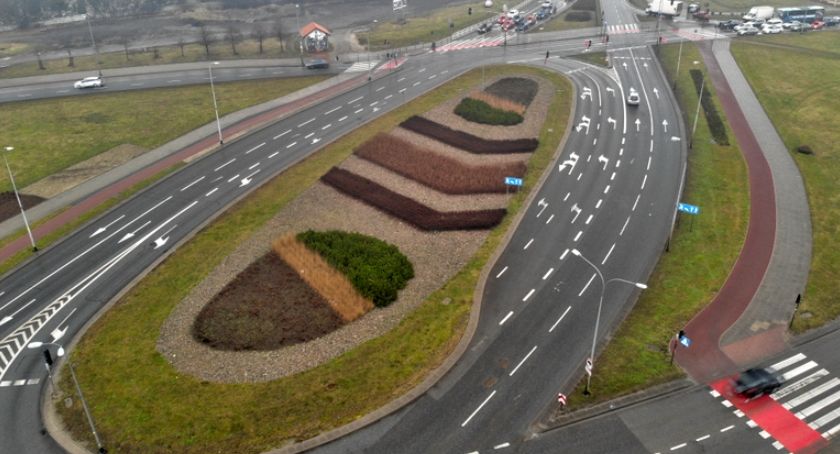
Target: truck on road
{"points": [[759, 13], [664, 8]]}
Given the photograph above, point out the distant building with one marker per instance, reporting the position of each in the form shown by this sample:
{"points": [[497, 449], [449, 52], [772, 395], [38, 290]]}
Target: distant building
{"points": [[314, 37]]}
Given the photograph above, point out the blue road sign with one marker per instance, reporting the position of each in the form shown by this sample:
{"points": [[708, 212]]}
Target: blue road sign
{"points": [[690, 209], [513, 181], [685, 341]]}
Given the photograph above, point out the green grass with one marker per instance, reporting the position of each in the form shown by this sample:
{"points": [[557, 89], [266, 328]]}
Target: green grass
{"points": [[687, 278], [12, 49], [479, 111], [595, 58], [141, 404], [220, 50], [51, 135], [433, 27], [801, 93], [559, 22]]}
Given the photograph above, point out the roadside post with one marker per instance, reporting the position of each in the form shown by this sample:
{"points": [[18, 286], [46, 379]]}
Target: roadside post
{"points": [[680, 339], [512, 181], [690, 209]]}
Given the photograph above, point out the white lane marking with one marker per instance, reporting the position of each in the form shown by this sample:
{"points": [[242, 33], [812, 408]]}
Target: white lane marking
{"points": [[563, 255], [726, 428], [401, 79], [5, 383], [97, 232], [764, 434], [432, 76], [751, 424], [255, 148], [374, 103], [342, 118], [402, 90], [621, 151], [579, 175], [648, 164], [714, 393], [223, 165], [191, 184], [704, 437], [607, 189], [618, 163], [388, 97], [332, 110], [567, 196], [587, 285], [577, 237], [559, 319], [309, 135], [282, 134], [549, 219], [211, 192], [799, 370], [819, 405], [805, 397], [359, 110], [522, 362], [503, 445], [291, 145], [738, 413], [466, 421], [20, 382], [422, 70], [799, 384], [415, 84], [548, 273], [528, 295], [173, 81], [273, 154], [501, 272], [137, 84], [679, 446], [622, 140], [612, 177], [357, 99], [644, 180], [9, 317], [726, 403], [589, 219], [252, 167], [788, 361], [233, 178], [306, 123], [608, 254], [636, 202], [505, 319], [528, 243], [598, 205], [380, 88], [625, 226]]}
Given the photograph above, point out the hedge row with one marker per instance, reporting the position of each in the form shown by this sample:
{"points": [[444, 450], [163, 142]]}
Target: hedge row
{"points": [[516, 89], [376, 269], [578, 16], [407, 209], [478, 111], [436, 171], [584, 5], [716, 126], [467, 141]]}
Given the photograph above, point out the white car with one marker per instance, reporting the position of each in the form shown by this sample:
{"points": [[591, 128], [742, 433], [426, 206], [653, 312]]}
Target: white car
{"points": [[747, 31], [771, 29], [633, 99], [513, 13], [89, 82]]}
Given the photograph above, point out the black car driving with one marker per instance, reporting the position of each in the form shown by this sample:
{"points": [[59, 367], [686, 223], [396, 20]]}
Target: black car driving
{"points": [[756, 382]]}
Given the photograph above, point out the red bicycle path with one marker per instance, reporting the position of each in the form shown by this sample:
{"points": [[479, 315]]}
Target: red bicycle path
{"points": [[705, 361], [74, 211]]}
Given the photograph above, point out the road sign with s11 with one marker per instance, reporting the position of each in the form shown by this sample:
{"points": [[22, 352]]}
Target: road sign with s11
{"points": [[687, 208], [511, 181]]}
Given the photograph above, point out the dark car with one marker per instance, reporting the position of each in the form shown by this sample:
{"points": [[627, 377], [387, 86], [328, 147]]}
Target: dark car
{"points": [[831, 21], [484, 28], [756, 382], [728, 25], [317, 63]]}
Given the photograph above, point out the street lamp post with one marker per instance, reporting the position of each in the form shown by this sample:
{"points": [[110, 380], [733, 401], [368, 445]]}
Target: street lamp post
{"points": [[600, 304], [101, 449], [95, 49], [697, 112], [679, 57], [368, 47], [215, 105], [20, 204], [297, 33]]}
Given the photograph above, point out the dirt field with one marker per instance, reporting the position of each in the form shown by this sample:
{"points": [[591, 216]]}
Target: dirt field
{"points": [[9, 207]]}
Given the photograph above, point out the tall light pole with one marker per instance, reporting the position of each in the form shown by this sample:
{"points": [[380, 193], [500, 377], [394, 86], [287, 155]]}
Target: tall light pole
{"points": [[20, 204], [297, 33], [215, 105], [600, 304], [697, 112], [679, 57], [101, 449], [93, 42], [368, 46]]}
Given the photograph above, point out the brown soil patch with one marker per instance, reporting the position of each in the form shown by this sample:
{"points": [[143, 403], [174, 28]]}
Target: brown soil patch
{"points": [[466, 141], [9, 207], [265, 307], [449, 151], [77, 174], [336, 289]]}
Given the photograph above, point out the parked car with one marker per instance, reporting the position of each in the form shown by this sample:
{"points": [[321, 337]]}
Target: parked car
{"points": [[633, 98], [774, 21], [89, 82], [817, 25], [749, 30], [771, 29], [513, 13], [317, 63], [484, 28], [831, 21], [693, 8], [728, 25], [756, 382]]}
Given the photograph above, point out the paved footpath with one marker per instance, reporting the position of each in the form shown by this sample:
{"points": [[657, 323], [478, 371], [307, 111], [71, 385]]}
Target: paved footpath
{"points": [[748, 318]]}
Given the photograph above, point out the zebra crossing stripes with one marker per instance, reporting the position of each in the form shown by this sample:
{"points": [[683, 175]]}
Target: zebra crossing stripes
{"points": [[620, 29], [472, 43], [361, 66]]}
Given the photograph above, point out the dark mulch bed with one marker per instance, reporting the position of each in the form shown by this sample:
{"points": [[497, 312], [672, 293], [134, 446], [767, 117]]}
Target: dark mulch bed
{"points": [[9, 207], [407, 209], [436, 171], [516, 89], [466, 141], [265, 307]]}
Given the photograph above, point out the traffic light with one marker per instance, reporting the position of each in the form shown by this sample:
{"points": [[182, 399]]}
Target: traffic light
{"points": [[469, 11], [48, 358]]}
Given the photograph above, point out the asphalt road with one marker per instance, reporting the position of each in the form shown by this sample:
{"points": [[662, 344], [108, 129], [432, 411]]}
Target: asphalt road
{"points": [[612, 196]]}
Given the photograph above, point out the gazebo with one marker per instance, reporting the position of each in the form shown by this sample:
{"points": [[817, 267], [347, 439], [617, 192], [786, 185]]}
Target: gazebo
{"points": [[314, 37]]}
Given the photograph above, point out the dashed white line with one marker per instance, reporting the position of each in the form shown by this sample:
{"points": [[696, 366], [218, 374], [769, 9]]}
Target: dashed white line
{"points": [[577, 237], [466, 421], [522, 362], [559, 319], [528, 295], [173, 81], [563, 255], [255, 148], [432, 76], [704, 437], [332, 110], [505, 319], [528, 243], [306, 123], [252, 167], [191, 184], [359, 110], [607, 189], [598, 205], [422, 70], [726, 403], [589, 219], [357, 99], [503, 445], [402, 90], [587, 285], [618, 163], [608, 255], [612, 177], [374, 103], [727, 428], [223, 165], [679, 446], [389, 97], [648, 164], [415, 84], [291, 145], [273, 154], [342, 118], [282, 134], [567, 196], [380, 88], [764, 434], [211, 192], [401, 79], [644, 180], [636, 202], [233, 178], [325, 127], [549, 219], [309, 135], [501, 272], [625, 226], [548, 273]]}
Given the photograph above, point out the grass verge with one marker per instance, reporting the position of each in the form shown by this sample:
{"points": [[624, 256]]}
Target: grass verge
{"points": [[560, 22], [595, 58], [434, 27], [141, 404], [703, 252], [801, 94]]}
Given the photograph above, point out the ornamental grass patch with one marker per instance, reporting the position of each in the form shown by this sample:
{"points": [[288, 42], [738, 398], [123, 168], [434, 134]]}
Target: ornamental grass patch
{"points": [[478, 111], [517, 89], [439, 172], [467, 141]]}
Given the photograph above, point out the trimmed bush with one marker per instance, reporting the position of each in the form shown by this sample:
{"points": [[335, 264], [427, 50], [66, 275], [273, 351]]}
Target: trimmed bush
{"points": [[376, 269], [465, 141], [584, 5], [716, 126], [407, 209], [517, 89], [478, 111], [578, 16], [436, 171]]}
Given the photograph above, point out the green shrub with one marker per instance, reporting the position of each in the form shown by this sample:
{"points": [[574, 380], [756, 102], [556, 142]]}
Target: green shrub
{"points": [[480, 112], [584, 5], [578, 16], [716, 126], [376, 269]]}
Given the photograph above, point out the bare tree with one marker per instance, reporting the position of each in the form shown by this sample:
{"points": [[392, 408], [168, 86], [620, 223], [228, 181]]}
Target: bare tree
{"points": [[259, 35], [181, 44], [233, 36], [40, 62], [278, 32], [70, 61], [206, 39], [125, 41]]}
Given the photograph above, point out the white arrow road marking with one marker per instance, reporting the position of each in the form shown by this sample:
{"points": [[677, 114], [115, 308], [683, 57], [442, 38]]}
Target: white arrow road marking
{"points": [[102, 229], [576, 210], [625, 65], [543, 204], [611, 90], [318, 139], [638, 123], [612, 121], [130, 235], [247, 179], [656, 92], [665, 125], [605, 160], [572, 162], [58, 333], [586, 92], [9, 317], [163, 238]]}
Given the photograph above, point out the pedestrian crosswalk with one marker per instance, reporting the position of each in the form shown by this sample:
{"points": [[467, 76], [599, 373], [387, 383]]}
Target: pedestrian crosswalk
{"points": [[472, 43], [809, 400], [698, 34], [361, 66], [619, 29]]}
